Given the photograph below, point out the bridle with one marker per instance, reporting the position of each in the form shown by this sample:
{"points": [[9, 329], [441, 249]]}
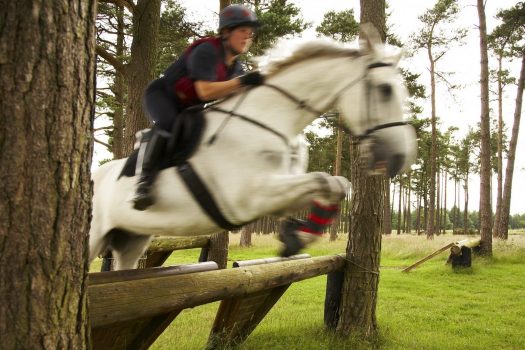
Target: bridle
{"points": [[303, 104]]}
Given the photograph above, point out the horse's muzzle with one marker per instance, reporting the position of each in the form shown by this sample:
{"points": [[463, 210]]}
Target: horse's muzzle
{"points": [[390, 151]]}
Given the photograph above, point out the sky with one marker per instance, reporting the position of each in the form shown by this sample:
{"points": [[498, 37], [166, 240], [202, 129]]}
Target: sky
{"points": [[460, 109]]}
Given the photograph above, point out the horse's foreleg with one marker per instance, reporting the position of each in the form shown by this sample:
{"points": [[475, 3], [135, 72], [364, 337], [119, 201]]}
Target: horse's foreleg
{"points": [[282, 194], [322, 191]]}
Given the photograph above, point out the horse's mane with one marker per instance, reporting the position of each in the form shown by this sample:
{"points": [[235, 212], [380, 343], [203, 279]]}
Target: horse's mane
{"points": [[288, 52]]}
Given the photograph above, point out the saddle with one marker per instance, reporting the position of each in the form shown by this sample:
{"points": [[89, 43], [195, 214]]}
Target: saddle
{"points": [[187, 133]]}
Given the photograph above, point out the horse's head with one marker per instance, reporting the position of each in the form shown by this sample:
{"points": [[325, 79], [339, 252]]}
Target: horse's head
{"points": [[372, 108]]}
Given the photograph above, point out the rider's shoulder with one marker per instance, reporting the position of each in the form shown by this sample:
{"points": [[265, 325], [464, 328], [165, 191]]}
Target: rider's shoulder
{"points": [[205, 48]]}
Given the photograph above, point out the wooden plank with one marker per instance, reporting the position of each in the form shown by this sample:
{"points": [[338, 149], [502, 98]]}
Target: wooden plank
{"points": [[238, 317], [244, 263], [154, 272], [419, 262], [141, 332], [127, 300], [133, 335], [155, 259], [169, 244]]}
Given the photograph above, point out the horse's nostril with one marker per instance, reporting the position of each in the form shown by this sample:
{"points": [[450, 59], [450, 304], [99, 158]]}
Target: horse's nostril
{"points": [[395, 165], [386, 90]]}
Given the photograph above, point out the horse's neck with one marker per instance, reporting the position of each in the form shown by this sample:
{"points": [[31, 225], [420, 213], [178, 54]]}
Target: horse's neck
{"points": [[313, 81]]}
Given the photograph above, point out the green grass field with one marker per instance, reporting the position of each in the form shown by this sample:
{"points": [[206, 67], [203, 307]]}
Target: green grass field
{"points": [[432, 307]]}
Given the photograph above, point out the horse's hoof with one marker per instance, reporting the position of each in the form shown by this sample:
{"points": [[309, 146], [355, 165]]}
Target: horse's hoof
{"points": [[290, 238]]}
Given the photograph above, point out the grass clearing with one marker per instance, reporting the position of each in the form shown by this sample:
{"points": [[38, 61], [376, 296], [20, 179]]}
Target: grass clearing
{"points": [[432, 307]]}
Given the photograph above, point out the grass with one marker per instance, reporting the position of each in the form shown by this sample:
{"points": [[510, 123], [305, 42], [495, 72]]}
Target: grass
{"points": [[432, 307]]}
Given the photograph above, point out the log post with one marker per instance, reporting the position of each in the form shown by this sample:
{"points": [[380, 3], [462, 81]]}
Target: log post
{"points": [[218, 250], [461, 253]]}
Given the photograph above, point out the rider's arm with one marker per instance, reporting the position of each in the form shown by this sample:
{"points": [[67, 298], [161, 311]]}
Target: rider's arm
{"points": [[211, 90], [202, 65]]}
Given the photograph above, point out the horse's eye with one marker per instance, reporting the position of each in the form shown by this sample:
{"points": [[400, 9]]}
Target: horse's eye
{"points": [[386, 91]]}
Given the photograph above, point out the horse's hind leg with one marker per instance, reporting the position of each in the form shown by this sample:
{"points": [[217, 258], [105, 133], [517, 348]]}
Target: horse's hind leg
{"points": [[98, 241], [128, 248]]}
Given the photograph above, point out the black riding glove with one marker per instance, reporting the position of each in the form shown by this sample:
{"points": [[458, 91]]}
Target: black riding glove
{"points": [[252, 79]]}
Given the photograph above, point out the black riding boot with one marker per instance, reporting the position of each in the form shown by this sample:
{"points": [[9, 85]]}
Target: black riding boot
{"points": [[151, 150]]}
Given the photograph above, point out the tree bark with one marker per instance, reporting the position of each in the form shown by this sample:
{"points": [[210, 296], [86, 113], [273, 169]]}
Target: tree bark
{"points": [[47, 70], [509, 172], [485, 206], [140, 71], [359, 292]]}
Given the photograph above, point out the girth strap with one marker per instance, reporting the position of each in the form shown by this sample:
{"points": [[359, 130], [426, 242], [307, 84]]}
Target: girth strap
{"points": [[202, 195]]}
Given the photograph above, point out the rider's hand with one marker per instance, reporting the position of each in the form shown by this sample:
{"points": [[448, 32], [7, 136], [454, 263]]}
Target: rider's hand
{"points": [[252, 79]]}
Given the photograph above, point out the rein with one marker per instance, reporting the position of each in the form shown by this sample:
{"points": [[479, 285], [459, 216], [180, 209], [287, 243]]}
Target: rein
{"points": [[303, 104]]}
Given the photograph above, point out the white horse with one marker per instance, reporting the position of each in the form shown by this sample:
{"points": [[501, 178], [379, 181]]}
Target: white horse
{"points": [[249, 166]]}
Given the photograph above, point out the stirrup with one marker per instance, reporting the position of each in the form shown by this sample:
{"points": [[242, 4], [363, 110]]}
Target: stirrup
{"points": [[143, 197]]}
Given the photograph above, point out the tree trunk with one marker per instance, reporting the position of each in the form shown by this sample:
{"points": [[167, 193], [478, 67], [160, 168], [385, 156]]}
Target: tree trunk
{"points": [[47, 75], [499, 194], [509, 172], [224, 3], [119, 89], [359, 293], [399, 206], [246, 235], [140, 71], [337, 172], [445, 213], [433, 152], [485, 206], [409, 211], [387, 218], [465, 212]]}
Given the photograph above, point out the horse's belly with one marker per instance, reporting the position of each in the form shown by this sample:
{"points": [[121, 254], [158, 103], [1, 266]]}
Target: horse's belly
{"points": [[174, 213]]}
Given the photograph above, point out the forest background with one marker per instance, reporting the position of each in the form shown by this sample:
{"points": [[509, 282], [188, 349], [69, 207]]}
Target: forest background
{"points": [[457, 90]]}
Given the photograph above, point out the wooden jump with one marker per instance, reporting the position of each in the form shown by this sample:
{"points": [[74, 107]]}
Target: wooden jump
{"points": [[129, 310], [455, 249]]}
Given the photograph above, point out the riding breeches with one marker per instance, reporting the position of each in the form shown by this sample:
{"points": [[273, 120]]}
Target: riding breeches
{"points": [[161, 105]]}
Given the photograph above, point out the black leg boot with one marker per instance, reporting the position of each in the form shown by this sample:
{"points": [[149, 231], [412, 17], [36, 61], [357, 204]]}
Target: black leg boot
{"points": [[147, 167]]}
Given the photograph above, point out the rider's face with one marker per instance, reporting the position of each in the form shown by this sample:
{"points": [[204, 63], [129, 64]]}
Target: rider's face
{"points": [[240, 39]]}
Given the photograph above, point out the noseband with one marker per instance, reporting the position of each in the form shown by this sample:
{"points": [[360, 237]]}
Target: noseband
{"points": [[303, 104]]}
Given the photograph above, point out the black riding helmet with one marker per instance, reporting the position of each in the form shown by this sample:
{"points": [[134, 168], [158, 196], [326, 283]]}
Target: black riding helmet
{"points": [[233, 16]]}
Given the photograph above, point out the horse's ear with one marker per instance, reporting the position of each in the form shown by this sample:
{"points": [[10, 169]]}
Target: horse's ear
{"points": [[396, 57], [370, 40]]}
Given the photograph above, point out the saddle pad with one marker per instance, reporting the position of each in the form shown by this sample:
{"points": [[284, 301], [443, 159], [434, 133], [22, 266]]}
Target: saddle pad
{"points": [[187, 133]]}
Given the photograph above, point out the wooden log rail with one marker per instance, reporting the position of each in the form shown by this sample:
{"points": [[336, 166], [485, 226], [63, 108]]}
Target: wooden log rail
{"points": [[161, 248], [128, 299], [469, 243]]}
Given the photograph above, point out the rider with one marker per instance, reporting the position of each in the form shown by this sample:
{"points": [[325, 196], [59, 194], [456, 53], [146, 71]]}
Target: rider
{"points": [[207, 70]]}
